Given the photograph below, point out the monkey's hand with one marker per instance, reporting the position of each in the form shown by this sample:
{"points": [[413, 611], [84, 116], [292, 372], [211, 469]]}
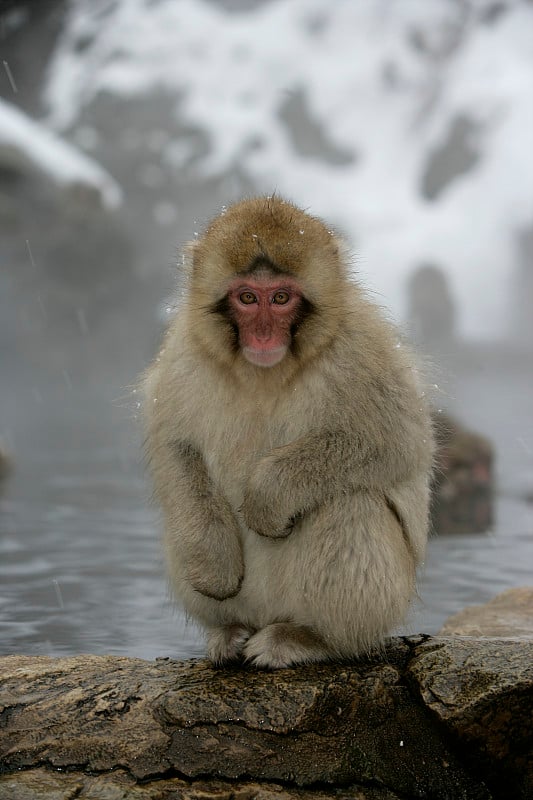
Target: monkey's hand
{"points": [[202, 532], [267, 508], [215, 568], [297, 477]]}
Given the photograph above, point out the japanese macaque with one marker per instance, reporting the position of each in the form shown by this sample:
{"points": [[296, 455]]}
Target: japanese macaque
{"points": [[289, 444]]}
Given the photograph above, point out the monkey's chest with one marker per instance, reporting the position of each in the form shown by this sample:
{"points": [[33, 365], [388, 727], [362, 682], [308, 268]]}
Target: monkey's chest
{"points": [[230, 464], [232, 456], [237, 432]]}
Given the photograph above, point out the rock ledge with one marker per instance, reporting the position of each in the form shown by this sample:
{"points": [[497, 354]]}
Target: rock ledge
{"points": [[430, 717]]}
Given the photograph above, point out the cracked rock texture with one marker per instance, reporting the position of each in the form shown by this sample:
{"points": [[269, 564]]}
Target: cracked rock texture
{"points": [[427, 718]]}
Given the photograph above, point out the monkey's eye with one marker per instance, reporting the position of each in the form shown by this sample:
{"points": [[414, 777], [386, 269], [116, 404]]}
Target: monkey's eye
{"points": [[280, 298], [248, 298]]}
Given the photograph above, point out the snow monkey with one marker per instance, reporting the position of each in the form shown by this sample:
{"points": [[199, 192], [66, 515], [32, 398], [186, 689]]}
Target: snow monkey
{"points": [[289, 444]]}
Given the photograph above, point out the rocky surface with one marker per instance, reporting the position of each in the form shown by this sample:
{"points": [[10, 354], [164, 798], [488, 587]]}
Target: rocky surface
{"points": [[482, 692], [509, 614], [42, 784], [434, 718]]}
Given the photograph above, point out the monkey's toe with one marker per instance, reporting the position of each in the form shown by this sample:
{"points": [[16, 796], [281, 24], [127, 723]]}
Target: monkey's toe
{"points": [[226, 644], [283, 644]]}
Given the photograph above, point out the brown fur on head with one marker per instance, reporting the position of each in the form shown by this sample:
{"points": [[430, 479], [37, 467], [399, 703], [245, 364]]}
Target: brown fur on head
{"points": [[268, 234]]}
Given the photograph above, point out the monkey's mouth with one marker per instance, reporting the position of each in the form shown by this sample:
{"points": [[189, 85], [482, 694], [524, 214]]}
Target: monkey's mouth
{"points": [[267, 357]]}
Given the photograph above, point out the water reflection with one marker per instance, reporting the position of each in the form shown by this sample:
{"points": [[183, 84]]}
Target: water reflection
{"points": [[80, 566]]}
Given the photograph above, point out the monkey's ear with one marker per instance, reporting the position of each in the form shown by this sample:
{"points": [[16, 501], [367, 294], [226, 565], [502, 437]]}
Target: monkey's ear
{"points": [[342, 248]]}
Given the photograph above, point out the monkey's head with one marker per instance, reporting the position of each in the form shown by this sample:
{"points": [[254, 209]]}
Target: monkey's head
{"points": [[269, 281]]}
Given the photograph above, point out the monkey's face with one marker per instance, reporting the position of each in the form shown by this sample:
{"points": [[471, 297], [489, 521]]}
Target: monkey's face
{"points": [[267, 287], [265, 310]]}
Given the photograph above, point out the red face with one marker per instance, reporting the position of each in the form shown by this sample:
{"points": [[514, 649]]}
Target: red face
{"points": [[265, 309]]}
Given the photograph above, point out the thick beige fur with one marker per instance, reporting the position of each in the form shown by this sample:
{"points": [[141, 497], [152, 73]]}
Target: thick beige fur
{"points": [[295, 497]]}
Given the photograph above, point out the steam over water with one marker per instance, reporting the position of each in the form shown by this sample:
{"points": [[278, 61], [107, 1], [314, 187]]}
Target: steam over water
{"points": [[80, 561], [408, 127]]}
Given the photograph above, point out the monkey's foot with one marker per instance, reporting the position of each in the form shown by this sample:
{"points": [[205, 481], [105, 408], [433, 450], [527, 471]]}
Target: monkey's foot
{"points": [[226, 644], [283, 645]]}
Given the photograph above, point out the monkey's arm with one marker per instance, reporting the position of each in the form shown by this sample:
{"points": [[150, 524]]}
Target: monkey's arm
{"points": [[298, 477], [202, 533]]}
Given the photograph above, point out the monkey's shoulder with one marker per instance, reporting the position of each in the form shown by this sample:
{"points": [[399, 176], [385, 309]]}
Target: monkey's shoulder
{"points": [[362, 362]]}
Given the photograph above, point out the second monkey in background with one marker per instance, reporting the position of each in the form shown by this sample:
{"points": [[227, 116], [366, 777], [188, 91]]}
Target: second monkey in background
{"points": [[290, 446]]}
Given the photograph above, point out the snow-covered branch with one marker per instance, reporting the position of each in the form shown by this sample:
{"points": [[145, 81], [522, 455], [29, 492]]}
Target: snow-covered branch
{"points": [[27, 146]]}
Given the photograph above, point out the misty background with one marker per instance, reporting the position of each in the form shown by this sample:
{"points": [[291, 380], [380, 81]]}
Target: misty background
{"points": [[125, 125]]}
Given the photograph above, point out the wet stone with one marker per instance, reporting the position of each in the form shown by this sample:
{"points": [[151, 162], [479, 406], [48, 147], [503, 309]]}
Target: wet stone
{"points": [[138, 726]]}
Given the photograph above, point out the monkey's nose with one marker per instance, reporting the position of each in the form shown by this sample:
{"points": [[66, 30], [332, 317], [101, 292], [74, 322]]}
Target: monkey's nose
{"points": [[263, 332]]}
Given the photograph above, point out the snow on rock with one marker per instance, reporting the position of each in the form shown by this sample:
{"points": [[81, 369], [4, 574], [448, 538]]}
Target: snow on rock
{"points": [[28, 146], [398, 91]]}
